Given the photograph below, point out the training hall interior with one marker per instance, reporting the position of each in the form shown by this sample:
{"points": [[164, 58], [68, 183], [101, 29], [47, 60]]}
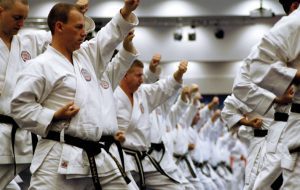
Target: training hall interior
{"points": [[214, 36]]}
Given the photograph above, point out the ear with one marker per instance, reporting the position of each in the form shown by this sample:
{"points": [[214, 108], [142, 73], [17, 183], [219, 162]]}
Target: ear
{"points": [[1, 9], [294, 6], [59, 26]]}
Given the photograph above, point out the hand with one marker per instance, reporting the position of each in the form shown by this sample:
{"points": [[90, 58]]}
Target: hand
{"points": [[194, 88], [129, 6], [255, 123], [216, 115], [185, 94], [287, 97], [83, 5], [127, 43], [214, 102], [154, 62], [120, 136], [196, 99], [191, 146], [66, 112], [182, 68]]}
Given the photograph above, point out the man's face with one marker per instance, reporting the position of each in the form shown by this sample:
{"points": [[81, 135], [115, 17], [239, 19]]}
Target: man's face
{"points": [[73, 31], [12, 20], [134, 78]]}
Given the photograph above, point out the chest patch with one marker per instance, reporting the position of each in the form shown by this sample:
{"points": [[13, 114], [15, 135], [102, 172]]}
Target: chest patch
{"points": [[104, 84], [86, 75], [142, 108], [25, 55], [64, 164]]}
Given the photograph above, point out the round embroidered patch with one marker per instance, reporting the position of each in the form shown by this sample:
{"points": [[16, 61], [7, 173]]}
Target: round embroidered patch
{"points": [[104, 84], [25, 55], [86, 74]]}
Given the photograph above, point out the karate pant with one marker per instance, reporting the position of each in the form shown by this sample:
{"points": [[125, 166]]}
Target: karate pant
{"points": [[156, 181], [7, 173], [207, 182], [46, 177], [257, 150], [270, 171]]}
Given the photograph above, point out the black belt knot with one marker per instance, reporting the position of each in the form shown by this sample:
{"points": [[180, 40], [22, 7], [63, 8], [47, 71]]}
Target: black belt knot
{"points": [[260, 133], [279, 116], [108, 140], [158, 147], [92, 148]]}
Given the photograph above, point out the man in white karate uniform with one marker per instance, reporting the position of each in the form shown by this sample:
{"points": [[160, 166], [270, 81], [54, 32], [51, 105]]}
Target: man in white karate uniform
{"points": [[135, 102], [234, 113], [57, 97], [275, 58], [15, 51]]}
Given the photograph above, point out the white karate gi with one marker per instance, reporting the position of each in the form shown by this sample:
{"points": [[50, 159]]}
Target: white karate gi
{"points": [[232, 112], [276, 58], [134, 120], [23, 48], [48, 84]]}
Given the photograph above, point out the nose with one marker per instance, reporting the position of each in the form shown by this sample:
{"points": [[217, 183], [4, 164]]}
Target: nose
{"points": [[21, 23]]}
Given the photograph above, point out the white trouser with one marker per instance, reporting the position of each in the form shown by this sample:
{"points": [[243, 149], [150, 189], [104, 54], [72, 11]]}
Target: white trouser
{"points": [[255, 160], [238, 180], [270, 171], [7, 173], [207, 182], [47, 177], [291, 177], [156, 181]]}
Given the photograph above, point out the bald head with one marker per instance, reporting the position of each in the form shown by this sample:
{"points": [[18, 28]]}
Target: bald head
{"points": [[8, 4]]}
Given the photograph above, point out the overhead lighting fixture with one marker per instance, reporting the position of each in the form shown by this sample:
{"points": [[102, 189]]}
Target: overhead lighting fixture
{"points": [[178, 35], [192, 33], [261, 12], [219, 34]]}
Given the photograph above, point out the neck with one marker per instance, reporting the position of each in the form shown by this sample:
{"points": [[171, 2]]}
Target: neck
{"points": [[127, 91], [57, 44], [7, 39]]}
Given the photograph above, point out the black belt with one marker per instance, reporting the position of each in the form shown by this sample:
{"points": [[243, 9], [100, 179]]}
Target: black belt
{"points": [[184, 157], [92, 148], [203, 166], [108, 140], [260, 133], [9, 120], [279, 116], [139, 156], [158, 147], [295, 108]]}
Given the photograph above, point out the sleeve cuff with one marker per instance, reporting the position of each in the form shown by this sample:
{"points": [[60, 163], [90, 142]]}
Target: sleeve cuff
{"points": [[233, 121], [45, 118], [127, 26]]}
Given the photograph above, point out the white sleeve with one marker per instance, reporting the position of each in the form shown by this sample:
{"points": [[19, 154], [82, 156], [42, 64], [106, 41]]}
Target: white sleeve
{"points": [[118, 66], [230, 112], [100, 49], [26, 107], [258, 99], [158, 92]]}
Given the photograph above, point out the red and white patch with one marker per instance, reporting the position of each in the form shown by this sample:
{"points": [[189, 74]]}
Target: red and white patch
{"points": [[142, 108], [25, 55], [64, 164], [104, 84], [87, 76]]}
